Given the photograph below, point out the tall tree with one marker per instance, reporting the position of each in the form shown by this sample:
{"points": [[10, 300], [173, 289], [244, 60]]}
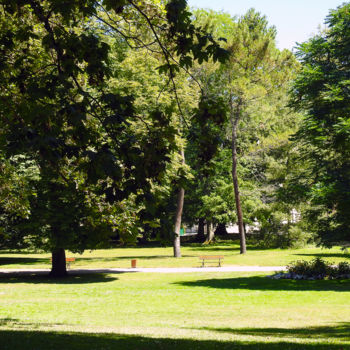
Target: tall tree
{"points": [[57, 108], [255, 70], [322, 91], [255, 67]]}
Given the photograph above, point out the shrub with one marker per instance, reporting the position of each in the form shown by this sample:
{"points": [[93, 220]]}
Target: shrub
{"points": [[315, 269], [343, 268]]}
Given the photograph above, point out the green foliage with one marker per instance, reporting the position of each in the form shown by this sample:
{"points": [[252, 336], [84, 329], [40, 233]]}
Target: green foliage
{"points": [[16, 187], [256, 77], [318, 269], [314, 268], [60, 108], [322, 92]]}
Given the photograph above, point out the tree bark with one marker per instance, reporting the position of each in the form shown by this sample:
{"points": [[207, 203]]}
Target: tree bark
{"points": [[178, 215], [58, 263], [201, 235], [210, 232], [235, 116], [220, 230]]}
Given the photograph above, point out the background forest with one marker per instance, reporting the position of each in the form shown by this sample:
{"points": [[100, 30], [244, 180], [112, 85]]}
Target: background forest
{"points": [[122, 122]]}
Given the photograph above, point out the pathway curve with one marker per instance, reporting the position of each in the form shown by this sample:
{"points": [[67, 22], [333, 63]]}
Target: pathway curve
{"points": [[150, 269]]}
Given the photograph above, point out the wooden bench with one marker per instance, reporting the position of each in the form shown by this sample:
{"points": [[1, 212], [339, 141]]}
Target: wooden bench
{"points": [[211, 258], [68, 262]]}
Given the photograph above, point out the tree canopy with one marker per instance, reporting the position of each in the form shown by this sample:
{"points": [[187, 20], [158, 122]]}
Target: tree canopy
{"points": [[58, 108], [322, 91]]}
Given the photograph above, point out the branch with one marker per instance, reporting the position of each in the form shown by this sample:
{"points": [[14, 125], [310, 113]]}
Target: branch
{"points": [[166, 56]]}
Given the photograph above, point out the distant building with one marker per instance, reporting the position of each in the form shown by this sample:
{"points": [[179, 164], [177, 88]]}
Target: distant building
{"points": [[233, 228]]}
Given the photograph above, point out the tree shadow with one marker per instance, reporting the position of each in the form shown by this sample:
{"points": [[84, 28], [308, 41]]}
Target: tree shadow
{"points": [[328, 255], [39, 340], [42, 277], [116, 258], [139, 257], [229, 247], [23, 261], [340, 331], [21, 252], [264, 283], [209, 248]]}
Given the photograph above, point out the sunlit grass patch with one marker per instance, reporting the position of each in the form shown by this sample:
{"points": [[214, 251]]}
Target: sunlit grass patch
{"points": [[163, 256], [173, 311]]}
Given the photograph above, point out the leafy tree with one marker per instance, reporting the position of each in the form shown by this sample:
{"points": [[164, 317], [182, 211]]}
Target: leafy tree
{"points": [[254, 70], [15, 191], [57, 109], [252, 84], [322, 91]]}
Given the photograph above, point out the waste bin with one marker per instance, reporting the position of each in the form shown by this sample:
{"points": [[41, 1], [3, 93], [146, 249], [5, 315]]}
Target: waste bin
{"points": [[133, 263]]}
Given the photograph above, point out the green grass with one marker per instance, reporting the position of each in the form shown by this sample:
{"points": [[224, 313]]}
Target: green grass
{"points": [[162, 257], [173, 311]]}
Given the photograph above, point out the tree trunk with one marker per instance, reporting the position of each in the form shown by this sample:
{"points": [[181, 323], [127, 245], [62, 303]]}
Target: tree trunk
{"points": [[201, 235], [220, 230], [210, 232], [235, 115], [178, 215], [58, 263]]}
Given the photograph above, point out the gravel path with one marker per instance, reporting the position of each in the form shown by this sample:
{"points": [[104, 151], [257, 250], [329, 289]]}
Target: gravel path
{"points": [[6, 272]]}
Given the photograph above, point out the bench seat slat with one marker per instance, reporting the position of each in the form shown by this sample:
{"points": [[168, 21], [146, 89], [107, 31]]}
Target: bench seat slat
{"points": [[217, 258]]}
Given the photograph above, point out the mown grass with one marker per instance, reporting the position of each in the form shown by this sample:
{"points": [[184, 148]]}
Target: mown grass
{"points": [[162, 257], [173, 311]]}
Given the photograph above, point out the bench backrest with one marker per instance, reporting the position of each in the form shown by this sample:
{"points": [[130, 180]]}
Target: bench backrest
{"points": [[205, 257]]}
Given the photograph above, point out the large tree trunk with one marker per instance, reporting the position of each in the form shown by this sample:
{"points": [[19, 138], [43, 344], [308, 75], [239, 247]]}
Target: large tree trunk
{"points": [[235, 116], [201, 235], [58, 263], [210, 232], [178, 215], [220, 230]]}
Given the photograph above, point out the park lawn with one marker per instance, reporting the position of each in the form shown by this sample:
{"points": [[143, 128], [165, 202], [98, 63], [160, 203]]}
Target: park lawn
{"points": [[173, 311], [162, 256]]}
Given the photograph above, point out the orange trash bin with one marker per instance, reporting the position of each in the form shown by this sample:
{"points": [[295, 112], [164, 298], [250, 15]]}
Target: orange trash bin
{"points": [[133, 263]]}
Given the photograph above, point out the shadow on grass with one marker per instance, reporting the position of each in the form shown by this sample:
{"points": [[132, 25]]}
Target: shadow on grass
{"points": [[44, 278], [327, 255], [37, 340], [116, 258], [139, 257], [229, 247], [23, 261], [210, 248], [264, 283], [22, 252], [340, 331]]}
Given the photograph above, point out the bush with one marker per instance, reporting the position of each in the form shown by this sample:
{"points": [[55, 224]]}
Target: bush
{"points": [[315, 269]]}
